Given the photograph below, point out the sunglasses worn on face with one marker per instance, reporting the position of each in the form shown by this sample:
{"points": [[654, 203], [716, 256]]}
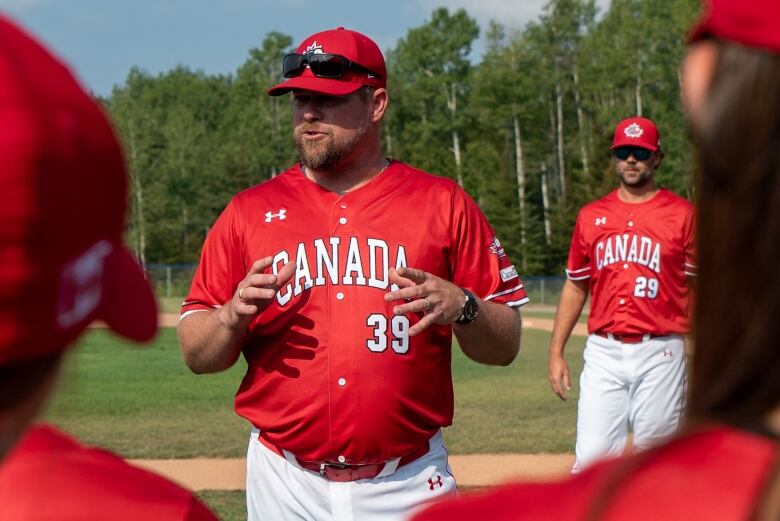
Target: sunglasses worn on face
{"points": [[640, 154], [321, 65]]}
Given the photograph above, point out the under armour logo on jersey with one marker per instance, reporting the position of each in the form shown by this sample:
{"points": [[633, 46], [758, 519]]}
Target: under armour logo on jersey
{"points": [[600, 221], [667, 354], [633, 131], [432, 484], [281, 215]]}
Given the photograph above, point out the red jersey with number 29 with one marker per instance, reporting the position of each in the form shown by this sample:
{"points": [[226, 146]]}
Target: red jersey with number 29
{"points": [[637, 257], [333, 375]]}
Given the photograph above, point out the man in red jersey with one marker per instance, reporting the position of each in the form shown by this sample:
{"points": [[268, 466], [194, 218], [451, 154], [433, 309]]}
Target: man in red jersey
{"points": [[341, 281], [633, 249], [62, 265]]}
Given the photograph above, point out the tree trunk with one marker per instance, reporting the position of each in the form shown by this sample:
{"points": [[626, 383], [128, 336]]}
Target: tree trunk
{"points": [[456, 153], [389, 142], [452, 104], [185, 222], [546, 207], [638, 94], [639, 84], [559, 107], [139, 198], [520, 171], [580, 121]]}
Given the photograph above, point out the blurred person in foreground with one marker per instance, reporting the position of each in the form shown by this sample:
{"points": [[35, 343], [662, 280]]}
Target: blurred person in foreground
{"points": [[62, 265], [724, 465]]}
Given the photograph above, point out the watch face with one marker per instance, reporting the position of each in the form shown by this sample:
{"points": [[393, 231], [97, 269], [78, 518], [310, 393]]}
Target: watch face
{"points": [[470, 309]]}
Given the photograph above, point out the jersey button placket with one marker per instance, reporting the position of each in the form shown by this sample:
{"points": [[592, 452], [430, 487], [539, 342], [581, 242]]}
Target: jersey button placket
{"points": [[342, 326], [622, 301]]}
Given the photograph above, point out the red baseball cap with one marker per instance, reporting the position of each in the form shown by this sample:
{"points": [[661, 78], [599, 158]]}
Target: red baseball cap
{"points": [[636, 132], [354, 46], [63, 195], [755, 23]]}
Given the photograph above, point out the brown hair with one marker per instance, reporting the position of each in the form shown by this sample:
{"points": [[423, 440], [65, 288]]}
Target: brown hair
{"points": [[20, 380], [736, 366]]}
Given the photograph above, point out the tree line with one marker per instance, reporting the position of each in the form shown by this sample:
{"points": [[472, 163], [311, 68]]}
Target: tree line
{"points": [[526, 130]]}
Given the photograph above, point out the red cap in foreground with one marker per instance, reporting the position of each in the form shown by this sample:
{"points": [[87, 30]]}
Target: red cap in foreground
{"points": [[755, 23], [63, 191]]}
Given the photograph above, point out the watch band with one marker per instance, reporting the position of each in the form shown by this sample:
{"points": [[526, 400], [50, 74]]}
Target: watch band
{"points": [[470, 309]]}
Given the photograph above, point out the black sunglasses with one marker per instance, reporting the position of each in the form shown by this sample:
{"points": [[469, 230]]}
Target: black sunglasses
{"points": [[640, 154], [321, 65]]}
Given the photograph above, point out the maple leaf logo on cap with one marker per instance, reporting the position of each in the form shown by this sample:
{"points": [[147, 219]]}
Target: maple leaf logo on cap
{"points": [[634, 131], [314, 48]]}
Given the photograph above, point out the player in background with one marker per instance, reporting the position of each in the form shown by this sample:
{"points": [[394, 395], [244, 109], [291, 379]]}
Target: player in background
{"points": [[341, 281], [633, 251], [63, 191], [724, 464]]}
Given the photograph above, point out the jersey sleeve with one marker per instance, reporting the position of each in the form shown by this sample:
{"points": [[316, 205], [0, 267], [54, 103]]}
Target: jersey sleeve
{"points": [[221, 265], [479, 262], [578, 265], [689, 245]]}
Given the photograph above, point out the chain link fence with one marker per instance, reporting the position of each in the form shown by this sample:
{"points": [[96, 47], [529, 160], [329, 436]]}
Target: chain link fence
{"points": [[170, 280], [173, 280]]}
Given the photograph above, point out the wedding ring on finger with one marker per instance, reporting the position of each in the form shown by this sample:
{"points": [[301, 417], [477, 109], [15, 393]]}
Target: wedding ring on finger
{"points": [[426, 304], [241, 294]]}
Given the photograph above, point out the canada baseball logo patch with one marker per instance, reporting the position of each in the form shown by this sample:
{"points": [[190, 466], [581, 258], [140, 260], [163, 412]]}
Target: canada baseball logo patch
{"points": [[496, 248], [314, 48], [634, 131]]}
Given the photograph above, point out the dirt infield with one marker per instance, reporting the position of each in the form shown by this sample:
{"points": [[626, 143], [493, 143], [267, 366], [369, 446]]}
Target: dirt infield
{"points": [[472, 470]]}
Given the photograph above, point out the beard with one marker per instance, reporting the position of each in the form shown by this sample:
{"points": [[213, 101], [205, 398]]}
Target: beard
{"points": [[328, 153], [637, 182]]}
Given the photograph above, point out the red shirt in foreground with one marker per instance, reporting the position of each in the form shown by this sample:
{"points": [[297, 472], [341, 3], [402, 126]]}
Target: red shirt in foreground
{"points": [[713, 474], [49, 476]]}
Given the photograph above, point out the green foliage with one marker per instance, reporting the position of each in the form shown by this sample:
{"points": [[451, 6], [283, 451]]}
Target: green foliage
{"points": [[229, 505], [550, 93]]}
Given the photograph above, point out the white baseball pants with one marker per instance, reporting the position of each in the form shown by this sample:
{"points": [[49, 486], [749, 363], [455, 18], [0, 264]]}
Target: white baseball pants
{"points": [[280, 490], [641, 386]]}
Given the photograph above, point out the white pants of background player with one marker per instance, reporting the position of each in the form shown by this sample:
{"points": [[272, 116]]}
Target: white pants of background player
{"points": [[639, 385], [277, 489]]}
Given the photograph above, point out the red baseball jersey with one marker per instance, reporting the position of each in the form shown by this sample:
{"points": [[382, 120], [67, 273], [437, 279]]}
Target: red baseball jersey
{"points": [[637, 257], [717, 473], [49, 476], [333, 374]]}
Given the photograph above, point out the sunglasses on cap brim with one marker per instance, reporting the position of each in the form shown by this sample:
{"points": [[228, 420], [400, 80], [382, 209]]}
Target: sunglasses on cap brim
{"points": [[322, 65], [640, 154]]}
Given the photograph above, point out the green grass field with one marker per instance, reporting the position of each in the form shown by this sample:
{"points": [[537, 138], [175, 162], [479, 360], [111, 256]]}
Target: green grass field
{"points": [[144, 403]]}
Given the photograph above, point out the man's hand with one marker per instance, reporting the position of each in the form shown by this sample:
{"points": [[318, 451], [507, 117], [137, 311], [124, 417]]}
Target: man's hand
{"points": [[255, 293], [439, 300], [558, 374]]}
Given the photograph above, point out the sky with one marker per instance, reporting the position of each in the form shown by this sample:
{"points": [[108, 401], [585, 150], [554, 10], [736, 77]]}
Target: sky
{"points": [[103, 39]]}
